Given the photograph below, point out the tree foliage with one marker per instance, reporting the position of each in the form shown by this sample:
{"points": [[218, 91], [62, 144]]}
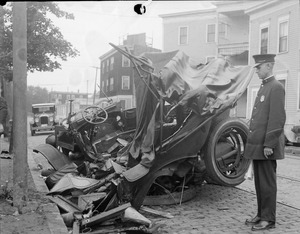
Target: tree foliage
{"points": [[36, 95], [46, 45]]}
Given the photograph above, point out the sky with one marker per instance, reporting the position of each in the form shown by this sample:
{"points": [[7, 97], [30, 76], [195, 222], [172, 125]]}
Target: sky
{"points": [[97, 24]]}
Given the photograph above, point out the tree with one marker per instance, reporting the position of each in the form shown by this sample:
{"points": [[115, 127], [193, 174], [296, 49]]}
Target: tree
{"points": [[46, 45], [36, 95]]}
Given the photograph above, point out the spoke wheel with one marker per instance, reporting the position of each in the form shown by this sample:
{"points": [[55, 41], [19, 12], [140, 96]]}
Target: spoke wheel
{"points": [[94, 115], [224, 152]]}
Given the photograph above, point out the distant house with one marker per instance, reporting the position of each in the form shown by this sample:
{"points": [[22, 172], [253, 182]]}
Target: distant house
{"points": [[64, 97], [116, 79], [62, 102], [207, 34], [274, 28], [237, 30]]}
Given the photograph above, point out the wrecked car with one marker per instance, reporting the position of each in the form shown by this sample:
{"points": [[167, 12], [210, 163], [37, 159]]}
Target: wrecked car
{"points": [[181, 128]]}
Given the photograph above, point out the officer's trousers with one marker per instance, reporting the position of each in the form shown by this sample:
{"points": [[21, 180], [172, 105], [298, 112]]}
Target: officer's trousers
{"points": [[266, 188]]}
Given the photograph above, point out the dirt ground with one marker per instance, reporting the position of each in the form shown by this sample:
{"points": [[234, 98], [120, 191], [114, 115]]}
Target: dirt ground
{"points": [[33, 217]]}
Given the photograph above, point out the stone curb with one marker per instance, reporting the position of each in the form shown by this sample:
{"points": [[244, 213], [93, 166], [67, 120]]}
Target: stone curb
{"points": [[54, 220]]}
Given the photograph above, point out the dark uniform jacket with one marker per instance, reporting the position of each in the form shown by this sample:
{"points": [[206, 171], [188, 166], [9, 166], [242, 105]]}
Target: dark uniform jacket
{"points": [[267, 122]]}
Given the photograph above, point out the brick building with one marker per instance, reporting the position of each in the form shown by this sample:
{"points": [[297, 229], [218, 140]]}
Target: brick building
{"points": [[116, 79]]}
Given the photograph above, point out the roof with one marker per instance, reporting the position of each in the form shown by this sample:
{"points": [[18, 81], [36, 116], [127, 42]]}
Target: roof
{"points": [[113, 51], [262, 5], [43, 104], [231, 7], [188, 13]]}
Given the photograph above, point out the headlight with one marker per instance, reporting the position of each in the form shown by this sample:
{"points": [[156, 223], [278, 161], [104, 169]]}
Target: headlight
{"points": [[36, 120], [51, 119]]}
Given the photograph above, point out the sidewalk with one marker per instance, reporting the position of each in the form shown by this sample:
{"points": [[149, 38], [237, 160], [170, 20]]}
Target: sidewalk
{"points": [[40, 216]]}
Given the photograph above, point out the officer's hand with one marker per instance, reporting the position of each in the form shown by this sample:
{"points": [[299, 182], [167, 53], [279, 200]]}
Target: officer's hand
{"points": [[268, 152]]}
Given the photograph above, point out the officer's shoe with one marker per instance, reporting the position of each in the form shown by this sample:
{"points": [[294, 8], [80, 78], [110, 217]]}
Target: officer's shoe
{"points": [[263, 225]]}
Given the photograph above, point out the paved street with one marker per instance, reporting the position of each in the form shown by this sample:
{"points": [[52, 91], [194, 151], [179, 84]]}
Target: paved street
{"points": [[288, 181], [217, 209]]}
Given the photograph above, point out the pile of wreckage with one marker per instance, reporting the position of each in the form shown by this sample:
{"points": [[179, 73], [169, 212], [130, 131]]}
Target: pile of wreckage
{"points": [[90, 196], [104, 174]]}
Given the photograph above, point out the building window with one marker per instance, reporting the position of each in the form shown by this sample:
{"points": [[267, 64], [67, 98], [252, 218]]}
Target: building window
{"points": [[264, 40], [107, 85], [112, 60], [73, 96], [103, 67], [107, 65], [223, 30], [211, 33], [253, 93], [59, 96], [102, 85], [183, 35], [283, 36], [125, 82], [111, 84], [125, 61]]}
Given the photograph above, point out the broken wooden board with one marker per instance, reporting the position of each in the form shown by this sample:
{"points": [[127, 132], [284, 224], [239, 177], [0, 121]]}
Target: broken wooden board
{"points": [[133, 215], [156, 212], [84, 200], [97, 219], [65, 204]]}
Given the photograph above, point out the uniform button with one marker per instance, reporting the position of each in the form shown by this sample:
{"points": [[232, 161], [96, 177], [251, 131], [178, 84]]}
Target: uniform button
{"points": [[255, 108], [250, 131]]}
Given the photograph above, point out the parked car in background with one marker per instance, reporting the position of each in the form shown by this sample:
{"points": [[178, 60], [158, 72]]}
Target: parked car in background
{"points": [[43, 117]]}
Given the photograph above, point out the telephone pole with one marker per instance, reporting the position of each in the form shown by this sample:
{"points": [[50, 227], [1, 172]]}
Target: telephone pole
{"points": [[20, 166], [87, 92], [95, 83]]}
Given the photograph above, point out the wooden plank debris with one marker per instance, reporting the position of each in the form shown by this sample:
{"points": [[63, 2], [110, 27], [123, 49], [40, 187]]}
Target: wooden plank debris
{"points": [[156, 212], [65, 204], [133, 215], [84, 200], [97, 219]]}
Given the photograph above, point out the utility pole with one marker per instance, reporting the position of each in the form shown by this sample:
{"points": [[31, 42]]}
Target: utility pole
{"points": [[20, 166], [95, 84], [87, 92]]}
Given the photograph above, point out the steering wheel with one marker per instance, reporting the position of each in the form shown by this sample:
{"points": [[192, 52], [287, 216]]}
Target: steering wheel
{"points": [[94, 115]]}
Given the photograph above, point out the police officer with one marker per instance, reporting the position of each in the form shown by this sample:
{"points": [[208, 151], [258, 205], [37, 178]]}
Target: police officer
{"points": [[265, 142]]}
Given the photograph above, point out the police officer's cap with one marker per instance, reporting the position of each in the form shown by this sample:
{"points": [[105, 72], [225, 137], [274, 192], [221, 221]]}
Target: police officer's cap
{"points": [[263, 58]]}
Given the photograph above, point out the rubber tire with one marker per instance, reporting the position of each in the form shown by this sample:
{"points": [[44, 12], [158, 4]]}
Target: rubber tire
{"points": [[217, 129]]}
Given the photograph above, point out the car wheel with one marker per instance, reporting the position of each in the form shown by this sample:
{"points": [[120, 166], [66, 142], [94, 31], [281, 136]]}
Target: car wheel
{"points": [[32, 132], [224, 152]]}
